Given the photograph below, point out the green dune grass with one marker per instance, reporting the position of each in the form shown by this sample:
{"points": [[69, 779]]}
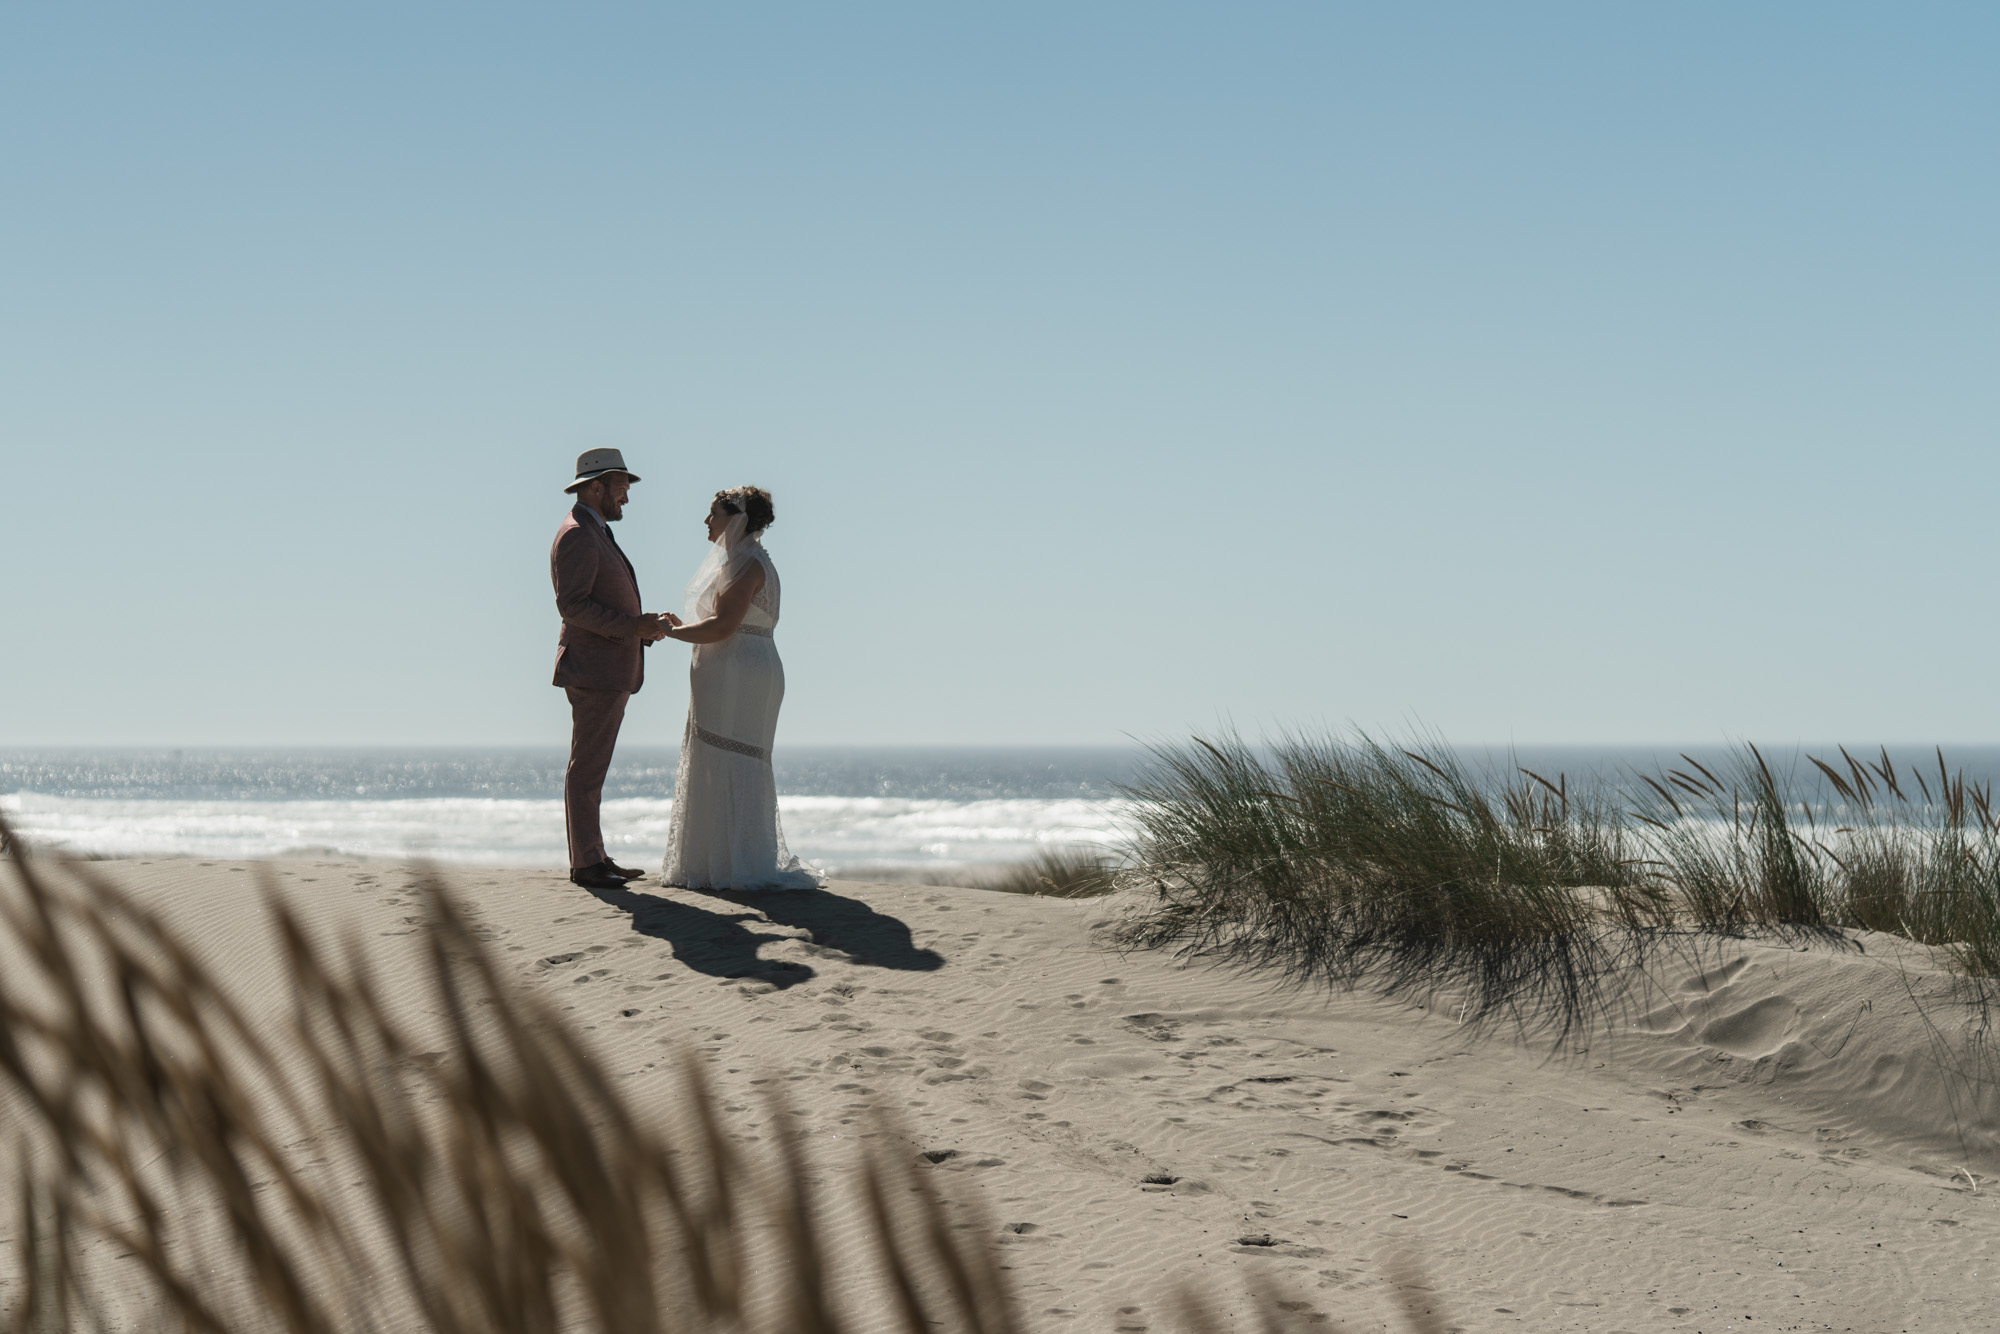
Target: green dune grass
{"points": [[1338, 857]]}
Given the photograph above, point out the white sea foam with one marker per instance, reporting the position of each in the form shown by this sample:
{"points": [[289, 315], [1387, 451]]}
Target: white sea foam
{"points": [[838, 833]]}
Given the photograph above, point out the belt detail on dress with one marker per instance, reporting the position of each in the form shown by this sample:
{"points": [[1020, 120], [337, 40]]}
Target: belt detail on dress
{"points": [[761, 631], [739, 747]]}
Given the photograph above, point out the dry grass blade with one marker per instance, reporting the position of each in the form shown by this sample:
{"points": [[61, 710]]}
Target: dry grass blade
{"points": [[1715, 784], [1887, 769], [1839, 784], [1665, 795], [1686, 784], [1864, 786]]}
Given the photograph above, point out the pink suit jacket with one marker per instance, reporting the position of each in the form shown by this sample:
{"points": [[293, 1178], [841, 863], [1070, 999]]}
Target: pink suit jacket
{"points": [[598, 596]]}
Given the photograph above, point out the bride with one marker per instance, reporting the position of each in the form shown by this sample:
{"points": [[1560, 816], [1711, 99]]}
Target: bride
{"points": [[724, 833]]}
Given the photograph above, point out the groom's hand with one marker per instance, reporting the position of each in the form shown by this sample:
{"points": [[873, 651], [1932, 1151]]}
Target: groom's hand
{"points": [[652, 629]]}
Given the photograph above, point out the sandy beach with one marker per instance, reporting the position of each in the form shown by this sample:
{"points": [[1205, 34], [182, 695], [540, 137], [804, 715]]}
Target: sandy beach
{"points": [[1765, 1139]]}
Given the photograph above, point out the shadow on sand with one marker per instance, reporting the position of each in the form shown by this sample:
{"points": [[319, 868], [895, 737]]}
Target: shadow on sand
{"points": [[869, 938], [717, 944], [724, 944]]}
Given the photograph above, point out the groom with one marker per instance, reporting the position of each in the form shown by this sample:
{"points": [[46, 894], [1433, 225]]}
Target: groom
{"points": [[600, 655]]}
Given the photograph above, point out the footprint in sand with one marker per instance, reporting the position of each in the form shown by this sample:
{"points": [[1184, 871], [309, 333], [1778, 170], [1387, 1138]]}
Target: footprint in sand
{"points": [[1714, 979], [956, 1160], [1263, 1243], [1403, 1122], [1755, 1031], [1157, 1027], [1661, 1022]]}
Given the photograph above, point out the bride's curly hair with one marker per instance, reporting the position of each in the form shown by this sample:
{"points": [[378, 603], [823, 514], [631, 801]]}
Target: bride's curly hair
{"points": [[753, 501]]}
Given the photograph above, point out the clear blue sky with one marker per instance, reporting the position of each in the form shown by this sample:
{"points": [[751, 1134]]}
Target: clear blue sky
{"points": [[1548, 372]]}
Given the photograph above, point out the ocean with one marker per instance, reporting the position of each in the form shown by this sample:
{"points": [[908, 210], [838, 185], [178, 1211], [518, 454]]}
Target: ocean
{"points": [[849, 810]]}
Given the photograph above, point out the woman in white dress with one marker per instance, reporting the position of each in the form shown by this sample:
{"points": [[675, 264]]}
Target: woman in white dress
{"points": [[724, 833]]}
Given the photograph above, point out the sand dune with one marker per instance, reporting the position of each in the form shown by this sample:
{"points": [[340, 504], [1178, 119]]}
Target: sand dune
{"points": [[1765, 1137]]}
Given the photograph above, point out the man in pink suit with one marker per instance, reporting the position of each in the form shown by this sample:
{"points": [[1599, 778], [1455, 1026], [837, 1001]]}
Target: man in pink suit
{"points": [[600, 656]]}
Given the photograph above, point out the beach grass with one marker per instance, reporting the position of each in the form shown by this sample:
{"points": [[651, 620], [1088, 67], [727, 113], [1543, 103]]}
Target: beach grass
{"points": [[172, 1161], [1339, 857], [463, 1166], [1061, 872], [1841, 843]]}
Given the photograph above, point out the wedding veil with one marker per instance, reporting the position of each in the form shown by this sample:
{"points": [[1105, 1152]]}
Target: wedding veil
{"points": [[727, 556]]}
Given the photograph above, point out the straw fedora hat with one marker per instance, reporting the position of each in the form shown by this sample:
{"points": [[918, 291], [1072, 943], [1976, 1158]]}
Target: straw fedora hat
{"points": [[594, 463]]}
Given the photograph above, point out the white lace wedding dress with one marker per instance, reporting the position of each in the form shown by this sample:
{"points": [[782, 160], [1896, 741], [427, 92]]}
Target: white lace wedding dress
{"points": [[724, 831]]}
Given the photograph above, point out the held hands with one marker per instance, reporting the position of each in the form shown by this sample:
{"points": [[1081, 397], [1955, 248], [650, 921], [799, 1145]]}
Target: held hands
{"points": [[658, 627]]}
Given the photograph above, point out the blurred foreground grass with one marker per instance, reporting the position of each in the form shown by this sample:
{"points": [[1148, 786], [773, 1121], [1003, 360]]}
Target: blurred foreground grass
{"points": [[177, 1163]]}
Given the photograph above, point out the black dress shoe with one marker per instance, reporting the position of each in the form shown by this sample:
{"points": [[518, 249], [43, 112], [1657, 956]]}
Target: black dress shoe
{"points": [[622, 872], [595, 877]]}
